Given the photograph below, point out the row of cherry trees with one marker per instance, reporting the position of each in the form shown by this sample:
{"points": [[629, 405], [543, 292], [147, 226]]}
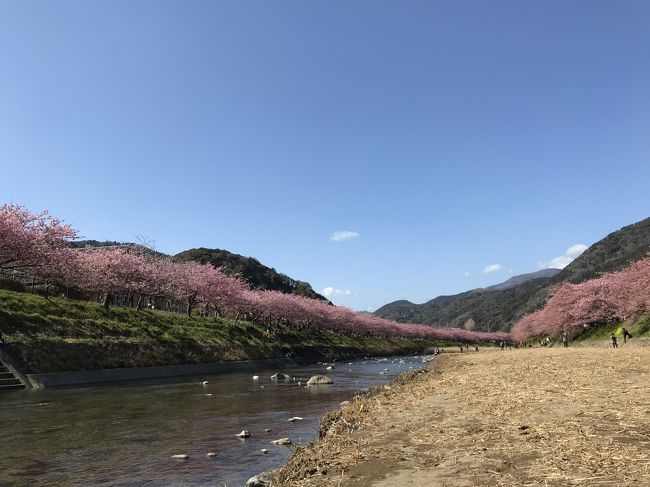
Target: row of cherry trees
{"points": [[39, 245], [614, 296]]}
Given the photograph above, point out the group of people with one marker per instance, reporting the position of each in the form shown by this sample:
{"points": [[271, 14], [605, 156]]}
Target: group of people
{"points": [[626, 335], [545, 342]]}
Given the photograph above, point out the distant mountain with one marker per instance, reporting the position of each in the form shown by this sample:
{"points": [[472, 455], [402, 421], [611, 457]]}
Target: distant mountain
{"points": [[521, 278], [251, 270], [499, 307]]}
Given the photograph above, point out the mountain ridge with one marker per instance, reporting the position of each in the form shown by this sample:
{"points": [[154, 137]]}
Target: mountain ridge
{"points": [[499, 307]]}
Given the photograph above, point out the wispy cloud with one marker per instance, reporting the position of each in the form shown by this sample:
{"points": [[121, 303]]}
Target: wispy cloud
{"points": [[561, 261], [467, 274], [493, 268], [330, 291], [343, 235]]}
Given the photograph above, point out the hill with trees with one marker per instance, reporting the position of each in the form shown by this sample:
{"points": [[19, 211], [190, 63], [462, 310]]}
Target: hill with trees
{"points": [[500, 307], [248, 269], [251, 270]]}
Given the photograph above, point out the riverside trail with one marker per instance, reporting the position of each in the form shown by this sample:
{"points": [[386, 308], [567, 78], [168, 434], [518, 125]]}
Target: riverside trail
{"points": [[543, 416]]}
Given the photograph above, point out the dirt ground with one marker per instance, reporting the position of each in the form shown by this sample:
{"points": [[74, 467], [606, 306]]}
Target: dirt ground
{"points": [[543, 416]]}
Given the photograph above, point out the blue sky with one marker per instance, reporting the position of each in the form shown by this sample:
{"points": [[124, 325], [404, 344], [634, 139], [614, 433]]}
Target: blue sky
{"points": [[449, 136]]}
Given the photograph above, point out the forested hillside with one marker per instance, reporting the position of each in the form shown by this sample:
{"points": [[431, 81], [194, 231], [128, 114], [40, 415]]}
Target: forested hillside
{"points": [[497, 308], [256, 274], [251, 270]]}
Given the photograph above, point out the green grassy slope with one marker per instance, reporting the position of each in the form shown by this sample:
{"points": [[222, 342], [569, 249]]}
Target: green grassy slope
{"points": [[55, 335], [638, 327]]}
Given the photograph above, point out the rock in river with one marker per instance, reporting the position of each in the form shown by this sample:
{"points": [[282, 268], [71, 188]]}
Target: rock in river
{"points": [[280, 376], [261, 480], [282, 441], [319, 379]]}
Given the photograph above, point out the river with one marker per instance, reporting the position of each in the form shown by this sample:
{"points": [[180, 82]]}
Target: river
{"points": [[125, 435]]}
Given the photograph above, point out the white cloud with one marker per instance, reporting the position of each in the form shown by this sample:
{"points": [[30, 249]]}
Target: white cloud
{"points": [[575, 250], [467, 274], [330, 291], [561, 261], [343, 235], [493, 268]]}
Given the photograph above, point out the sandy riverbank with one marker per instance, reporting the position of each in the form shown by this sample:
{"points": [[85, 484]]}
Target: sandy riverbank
{"points": [[577, 416]]}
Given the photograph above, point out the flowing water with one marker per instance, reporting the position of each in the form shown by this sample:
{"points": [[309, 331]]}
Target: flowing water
{"points": [[126, 435]]}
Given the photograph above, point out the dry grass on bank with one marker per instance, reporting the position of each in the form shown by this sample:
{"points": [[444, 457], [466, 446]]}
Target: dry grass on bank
{"points": [[549, 417]]}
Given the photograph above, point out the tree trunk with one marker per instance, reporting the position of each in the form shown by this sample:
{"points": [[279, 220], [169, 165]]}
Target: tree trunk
{"points": [[107, 300], [138, 306]]}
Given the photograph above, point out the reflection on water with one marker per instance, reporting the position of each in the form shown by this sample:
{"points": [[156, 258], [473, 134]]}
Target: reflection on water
{"points": [[125, 435]]}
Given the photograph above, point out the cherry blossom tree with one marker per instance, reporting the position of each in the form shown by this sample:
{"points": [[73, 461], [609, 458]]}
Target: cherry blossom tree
{"points": [[30, 241], [614, 296]]}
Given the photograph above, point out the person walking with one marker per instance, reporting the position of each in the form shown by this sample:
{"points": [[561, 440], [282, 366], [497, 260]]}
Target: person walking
{"points": [[614, 340], [565, 339], [626, 335]]}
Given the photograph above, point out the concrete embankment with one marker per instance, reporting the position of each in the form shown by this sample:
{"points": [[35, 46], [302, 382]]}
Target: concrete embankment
{"points": [[107, 376]]}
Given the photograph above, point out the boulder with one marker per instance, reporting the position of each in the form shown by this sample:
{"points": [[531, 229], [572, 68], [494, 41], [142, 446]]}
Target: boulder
{"points": [[317, 380], [282, 441], [260, 480]]}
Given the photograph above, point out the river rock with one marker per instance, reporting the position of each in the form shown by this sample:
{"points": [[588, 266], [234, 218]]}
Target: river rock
{"points": [[282, 441], [294, 419], [319, 380], [280, 376], [211, 454], [244, 434], [182, 456], [261, 480]]}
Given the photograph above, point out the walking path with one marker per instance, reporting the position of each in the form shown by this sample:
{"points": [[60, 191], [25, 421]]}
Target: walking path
{"points": [[543, 416]]}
